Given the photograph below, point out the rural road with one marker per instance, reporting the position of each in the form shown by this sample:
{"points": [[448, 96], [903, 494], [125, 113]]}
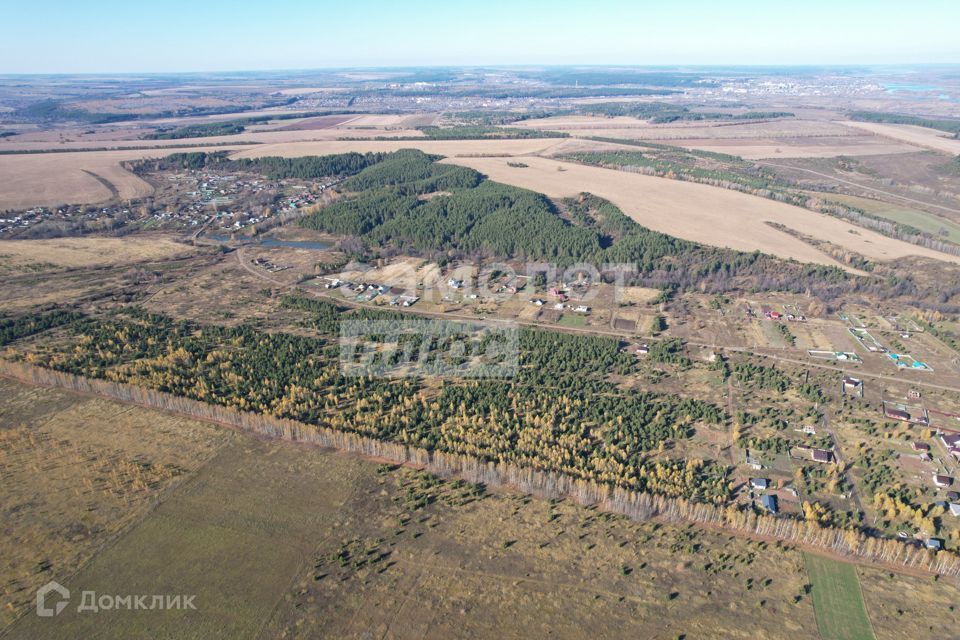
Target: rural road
{"points": [[855, 184], [245, 264]]}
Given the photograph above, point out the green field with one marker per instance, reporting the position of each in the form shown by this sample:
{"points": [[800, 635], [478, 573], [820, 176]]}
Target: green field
{"points": [[571, 320], [837, 600], [922, 220]]}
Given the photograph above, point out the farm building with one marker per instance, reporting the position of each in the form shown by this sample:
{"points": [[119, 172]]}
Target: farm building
{"points": [[941, 480], [759, 483], [821, 455], [769, 503], [920, 446]]}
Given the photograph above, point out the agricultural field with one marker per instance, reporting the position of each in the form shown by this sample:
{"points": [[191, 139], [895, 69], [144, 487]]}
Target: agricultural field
{"points": [[753, 140], [927, 222], [701, 213], [51, 179], [911, 134]]}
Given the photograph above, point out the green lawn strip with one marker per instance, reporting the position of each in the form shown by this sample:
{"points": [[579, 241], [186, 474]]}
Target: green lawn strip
{"points": [[837, 599]]}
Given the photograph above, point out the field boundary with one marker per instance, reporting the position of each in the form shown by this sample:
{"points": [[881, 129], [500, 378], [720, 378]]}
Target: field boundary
{"points": [[848, 544], [826, 624]]}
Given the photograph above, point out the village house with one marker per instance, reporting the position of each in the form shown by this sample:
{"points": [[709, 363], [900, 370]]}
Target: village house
{"points": [[759, 483], [769, 503], [942, 480], [853, 386], [822, 455], [950, 440], [897, 414], [920, 446]]}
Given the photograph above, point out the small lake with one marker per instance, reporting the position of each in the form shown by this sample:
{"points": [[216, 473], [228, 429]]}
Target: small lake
{"points": [[273, 242]]}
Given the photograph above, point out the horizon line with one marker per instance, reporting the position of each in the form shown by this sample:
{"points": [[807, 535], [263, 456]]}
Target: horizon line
{"points": [[508, 66]]}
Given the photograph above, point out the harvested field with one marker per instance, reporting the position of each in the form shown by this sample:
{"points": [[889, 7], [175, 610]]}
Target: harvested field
{"points": [[917, 136], [449, 148], [691, 130], [89, 251], [699, 212], [320, 122], [826, 147], [258, 135], [50, 179], [392, 121], [753, 140]]}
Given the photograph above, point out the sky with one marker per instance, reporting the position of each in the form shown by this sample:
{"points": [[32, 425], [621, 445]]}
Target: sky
{"points": [[110, 36]]}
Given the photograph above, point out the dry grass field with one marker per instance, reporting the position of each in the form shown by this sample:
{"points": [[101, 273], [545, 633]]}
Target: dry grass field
{"points": [[751, 140], [788, 128], [76, 472], [29, 255], [285, 541], [811, 147], [916, 136], [449, 148], [50, 179], [259, 135], [699, 212]]}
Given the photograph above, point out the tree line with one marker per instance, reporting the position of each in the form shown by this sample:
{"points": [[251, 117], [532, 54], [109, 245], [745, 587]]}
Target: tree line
{"points": [[636, 504]]}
